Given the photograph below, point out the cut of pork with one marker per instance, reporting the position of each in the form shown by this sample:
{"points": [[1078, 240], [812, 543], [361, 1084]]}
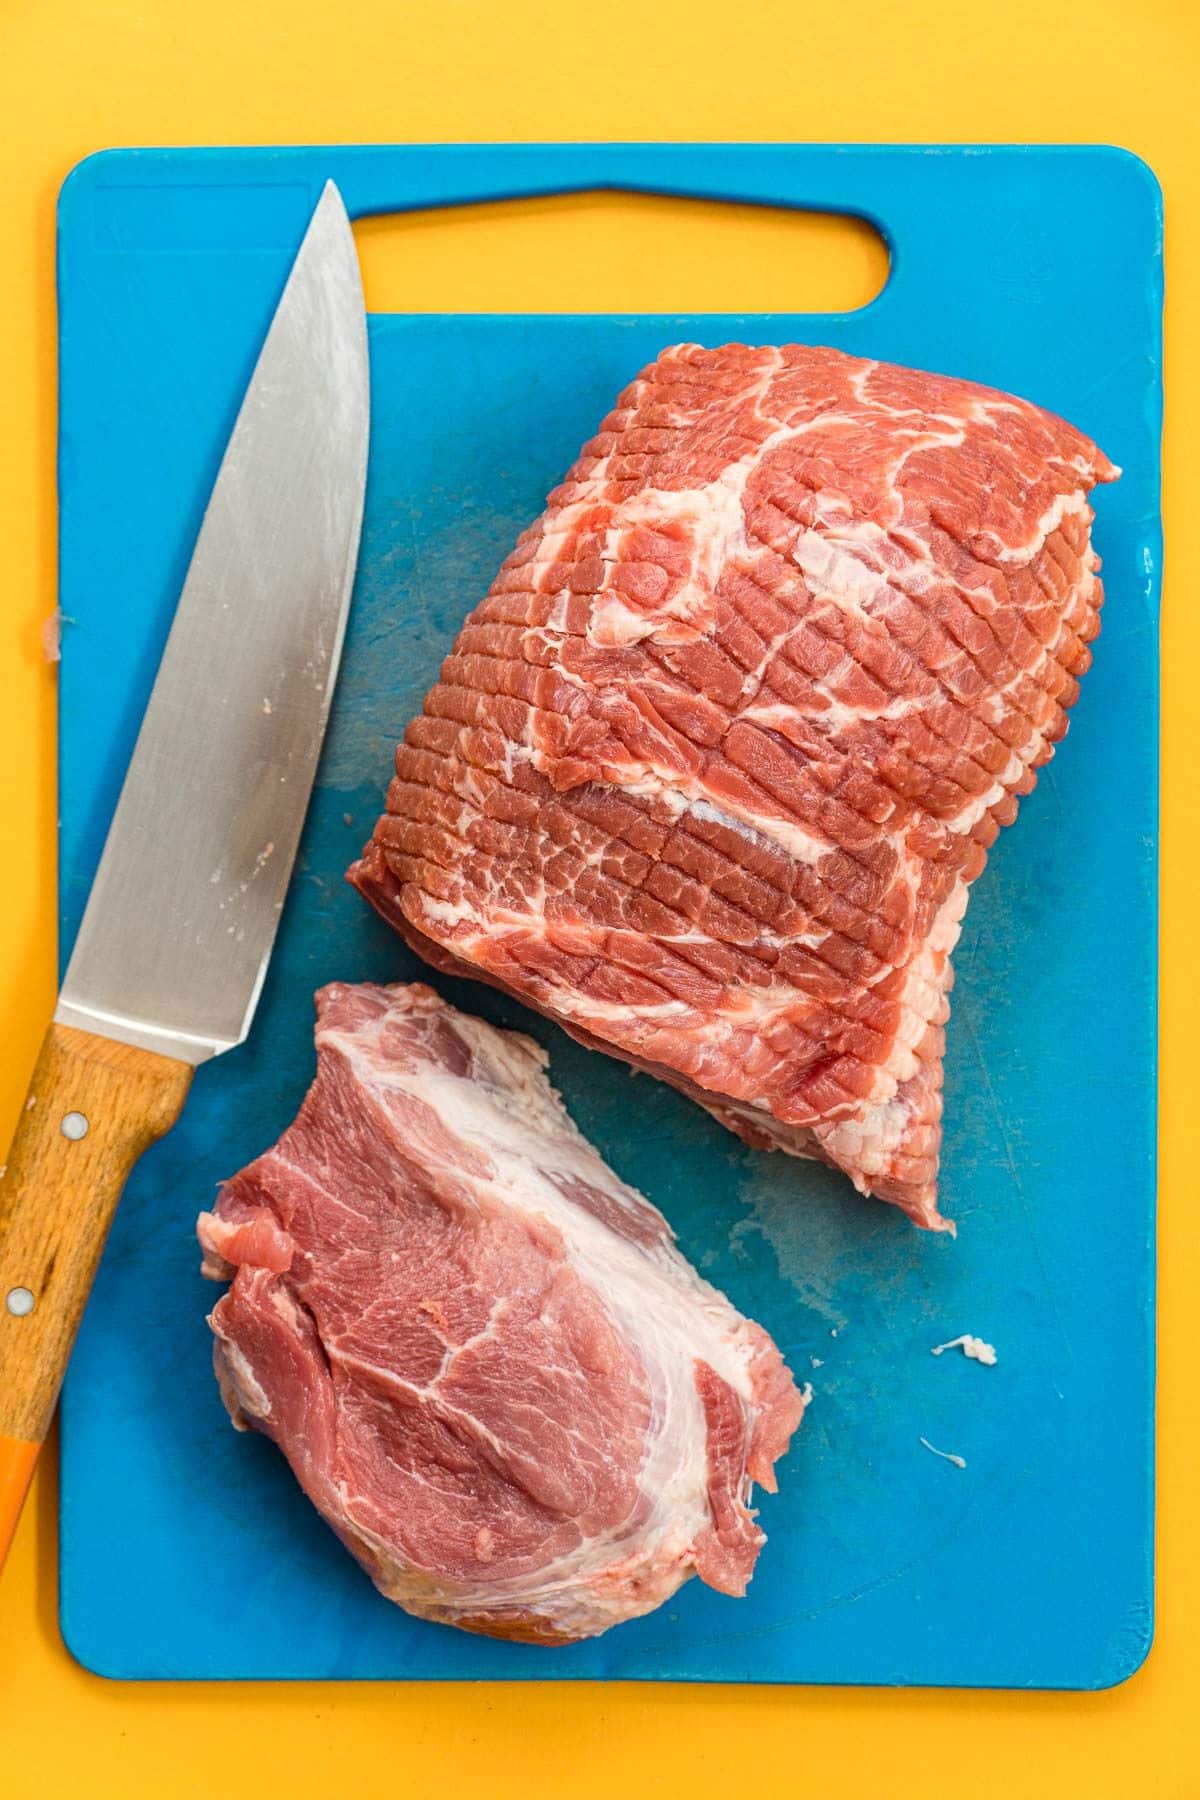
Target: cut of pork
{"points": [[707, 774], [481, 1353]]}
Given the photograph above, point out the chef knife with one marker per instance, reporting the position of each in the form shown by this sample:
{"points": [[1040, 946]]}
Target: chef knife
{"points": [[171, 955]]}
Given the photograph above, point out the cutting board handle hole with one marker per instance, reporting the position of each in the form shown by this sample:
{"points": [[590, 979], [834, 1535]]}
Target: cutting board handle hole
{"points": [[605, 251]]}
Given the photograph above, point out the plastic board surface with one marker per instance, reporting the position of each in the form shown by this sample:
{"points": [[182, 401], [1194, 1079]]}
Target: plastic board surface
{"points": [[188, 1551]]}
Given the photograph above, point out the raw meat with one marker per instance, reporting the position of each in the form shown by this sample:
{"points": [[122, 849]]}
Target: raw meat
{"points": [[708, 772], [481, 1353]]}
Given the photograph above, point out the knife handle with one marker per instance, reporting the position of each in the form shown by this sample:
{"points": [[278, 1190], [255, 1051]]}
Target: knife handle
{"points": [[93, 1106]]}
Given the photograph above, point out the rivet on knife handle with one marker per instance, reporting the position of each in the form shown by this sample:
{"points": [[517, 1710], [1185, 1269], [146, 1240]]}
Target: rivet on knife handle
{"points": [[93, 1107]]}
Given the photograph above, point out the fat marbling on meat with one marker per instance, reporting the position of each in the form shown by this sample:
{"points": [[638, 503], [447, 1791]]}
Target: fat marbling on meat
{"points": [[709, 771]]}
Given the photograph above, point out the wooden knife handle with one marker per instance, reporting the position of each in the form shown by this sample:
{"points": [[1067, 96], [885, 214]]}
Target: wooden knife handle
{"points": [[93, 1107]]}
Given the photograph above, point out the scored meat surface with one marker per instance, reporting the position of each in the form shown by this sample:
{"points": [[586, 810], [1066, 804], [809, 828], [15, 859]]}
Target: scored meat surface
{"points": [[482, 1355], [708, 772]]}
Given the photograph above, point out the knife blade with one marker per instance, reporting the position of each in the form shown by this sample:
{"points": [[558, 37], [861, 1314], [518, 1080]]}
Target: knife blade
{"points": [[177, 933], [179, 925]]}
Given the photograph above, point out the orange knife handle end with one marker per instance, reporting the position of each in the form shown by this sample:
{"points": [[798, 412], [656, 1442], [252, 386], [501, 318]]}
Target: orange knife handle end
{"points": [[17, 1461]]}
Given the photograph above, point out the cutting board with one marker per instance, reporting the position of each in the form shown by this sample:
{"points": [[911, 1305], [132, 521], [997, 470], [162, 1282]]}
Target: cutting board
{"points": [[188, 1551]]}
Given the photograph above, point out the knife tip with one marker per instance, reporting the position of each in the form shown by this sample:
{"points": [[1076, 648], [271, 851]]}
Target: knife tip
{"points": [[331, 195]]}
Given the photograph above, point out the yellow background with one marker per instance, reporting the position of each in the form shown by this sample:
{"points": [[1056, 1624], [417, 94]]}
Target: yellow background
{"points": [[76, 75]]}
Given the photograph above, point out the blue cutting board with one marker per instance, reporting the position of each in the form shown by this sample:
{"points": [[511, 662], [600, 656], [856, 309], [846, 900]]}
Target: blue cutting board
{"points": [[187, 1551]]}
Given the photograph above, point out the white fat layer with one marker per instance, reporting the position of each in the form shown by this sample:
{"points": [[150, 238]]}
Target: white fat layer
{"points": [[761, 827], [250, 1396], [836, 573], [714, 515], [971, 814], [1063, 506], [682, 794]]}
